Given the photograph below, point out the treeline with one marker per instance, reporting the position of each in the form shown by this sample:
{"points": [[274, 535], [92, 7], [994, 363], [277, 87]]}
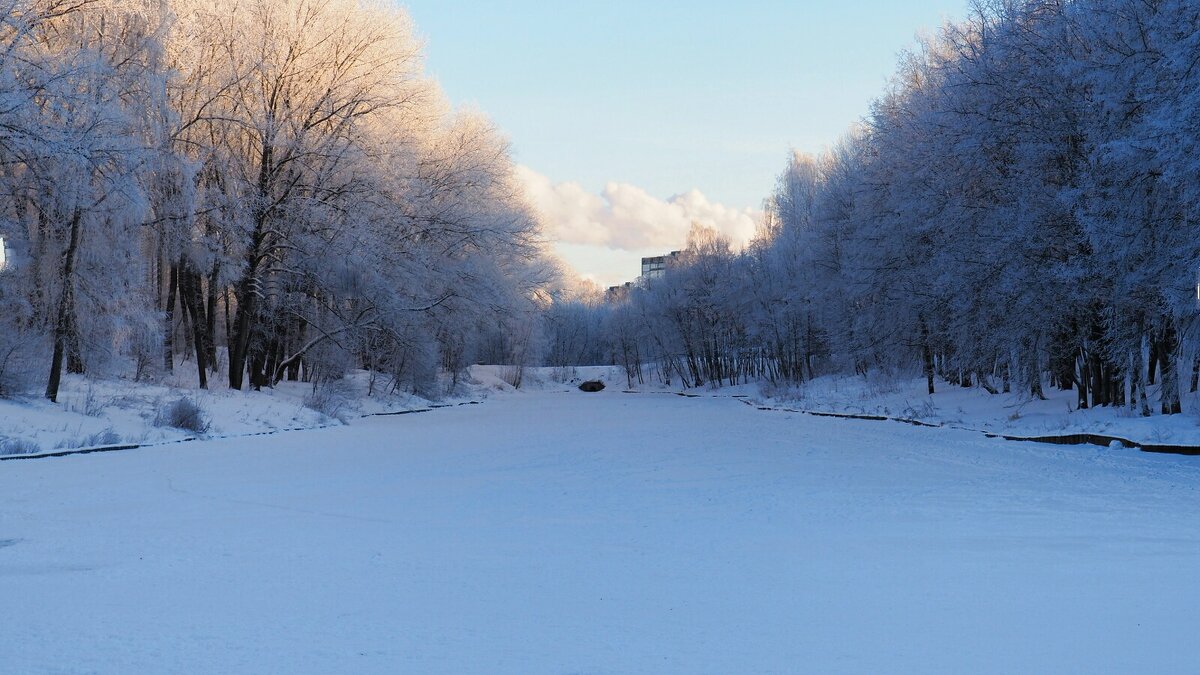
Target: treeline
{"points": [[270, 189], [1018, 211]]}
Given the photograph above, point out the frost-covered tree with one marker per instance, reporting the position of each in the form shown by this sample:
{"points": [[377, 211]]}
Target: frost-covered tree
{"points": [[272, 189], [1016, 212]]}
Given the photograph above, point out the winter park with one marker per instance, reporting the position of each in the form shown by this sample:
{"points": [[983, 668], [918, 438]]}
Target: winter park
{"points": [[362, 336]]}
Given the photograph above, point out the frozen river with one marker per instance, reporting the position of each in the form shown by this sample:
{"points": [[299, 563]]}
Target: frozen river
{"points": [[608, 533]]}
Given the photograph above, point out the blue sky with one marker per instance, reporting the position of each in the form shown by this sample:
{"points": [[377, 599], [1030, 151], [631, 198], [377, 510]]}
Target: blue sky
{"points": [[668, 98]]}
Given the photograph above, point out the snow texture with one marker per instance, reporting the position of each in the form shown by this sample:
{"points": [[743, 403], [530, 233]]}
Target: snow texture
{"points": [[94, 412], [562, 532], [973, 408]]}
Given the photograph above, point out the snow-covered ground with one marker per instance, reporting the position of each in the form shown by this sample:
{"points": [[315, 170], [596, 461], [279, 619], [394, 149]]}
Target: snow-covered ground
{"points": [[115, 412], [103, 412], [561, 532], [1015, 414]]}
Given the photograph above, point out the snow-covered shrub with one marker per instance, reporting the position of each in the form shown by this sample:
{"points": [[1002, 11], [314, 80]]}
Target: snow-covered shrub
{"points": [[513, 375], [18, 446], [106, 437], [184, 414], [90, 403], [564, 374], [98, 439], [332, 399], [920, 411], [145, 344]]}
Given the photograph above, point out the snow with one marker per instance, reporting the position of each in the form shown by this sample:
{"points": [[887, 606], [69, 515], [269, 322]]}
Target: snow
{"points": [[487, 379], [1016, 414], [95, 412], [101, 412], [556, 531], [902, 397]]}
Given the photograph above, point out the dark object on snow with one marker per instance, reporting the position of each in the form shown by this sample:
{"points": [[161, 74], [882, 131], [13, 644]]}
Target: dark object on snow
{"points": [[592, 386]]}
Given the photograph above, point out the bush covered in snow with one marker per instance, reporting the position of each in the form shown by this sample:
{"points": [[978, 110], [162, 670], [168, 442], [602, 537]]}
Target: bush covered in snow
{"points": [[18, 446], [184, 414]]}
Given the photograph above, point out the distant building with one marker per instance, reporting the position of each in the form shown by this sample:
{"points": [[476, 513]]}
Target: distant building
{"points": [[656, 267], [652, 268], [616, 294]]}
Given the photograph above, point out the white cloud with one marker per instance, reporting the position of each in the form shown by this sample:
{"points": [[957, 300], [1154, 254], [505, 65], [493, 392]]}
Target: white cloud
{"points": [[625, 217]]}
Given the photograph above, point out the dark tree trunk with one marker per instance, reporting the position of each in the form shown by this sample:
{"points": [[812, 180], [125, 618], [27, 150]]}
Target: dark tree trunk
{"points": [[1099, 391], [65, 301], [1062, 357], [210, 313], [169, 321], [228, 321], [1081, 380], [239, 345], [75, 364], [1035, 386], [927, 356], [1153, 360], [248, 285], [1035, 375], [257, 361], [1134, 376], [1117, 387], [190, 293]]}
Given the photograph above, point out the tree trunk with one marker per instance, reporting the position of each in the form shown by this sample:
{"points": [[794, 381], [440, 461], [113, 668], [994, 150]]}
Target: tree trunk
{"points": [[927, 357], [1153, 359], [210, 314], [1117, 387], [75, 364], [65, 301], [248, 285], [1137, 378], [169, 321], [243, 323], [1134, 377], [1099, 391], [228, 321], [1081, 379], [1035, 374], [189, 291], [1169, 392], [986, 383]]}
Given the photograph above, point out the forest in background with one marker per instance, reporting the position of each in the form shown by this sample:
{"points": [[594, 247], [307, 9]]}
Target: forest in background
{"points": [[1018, 210]]}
